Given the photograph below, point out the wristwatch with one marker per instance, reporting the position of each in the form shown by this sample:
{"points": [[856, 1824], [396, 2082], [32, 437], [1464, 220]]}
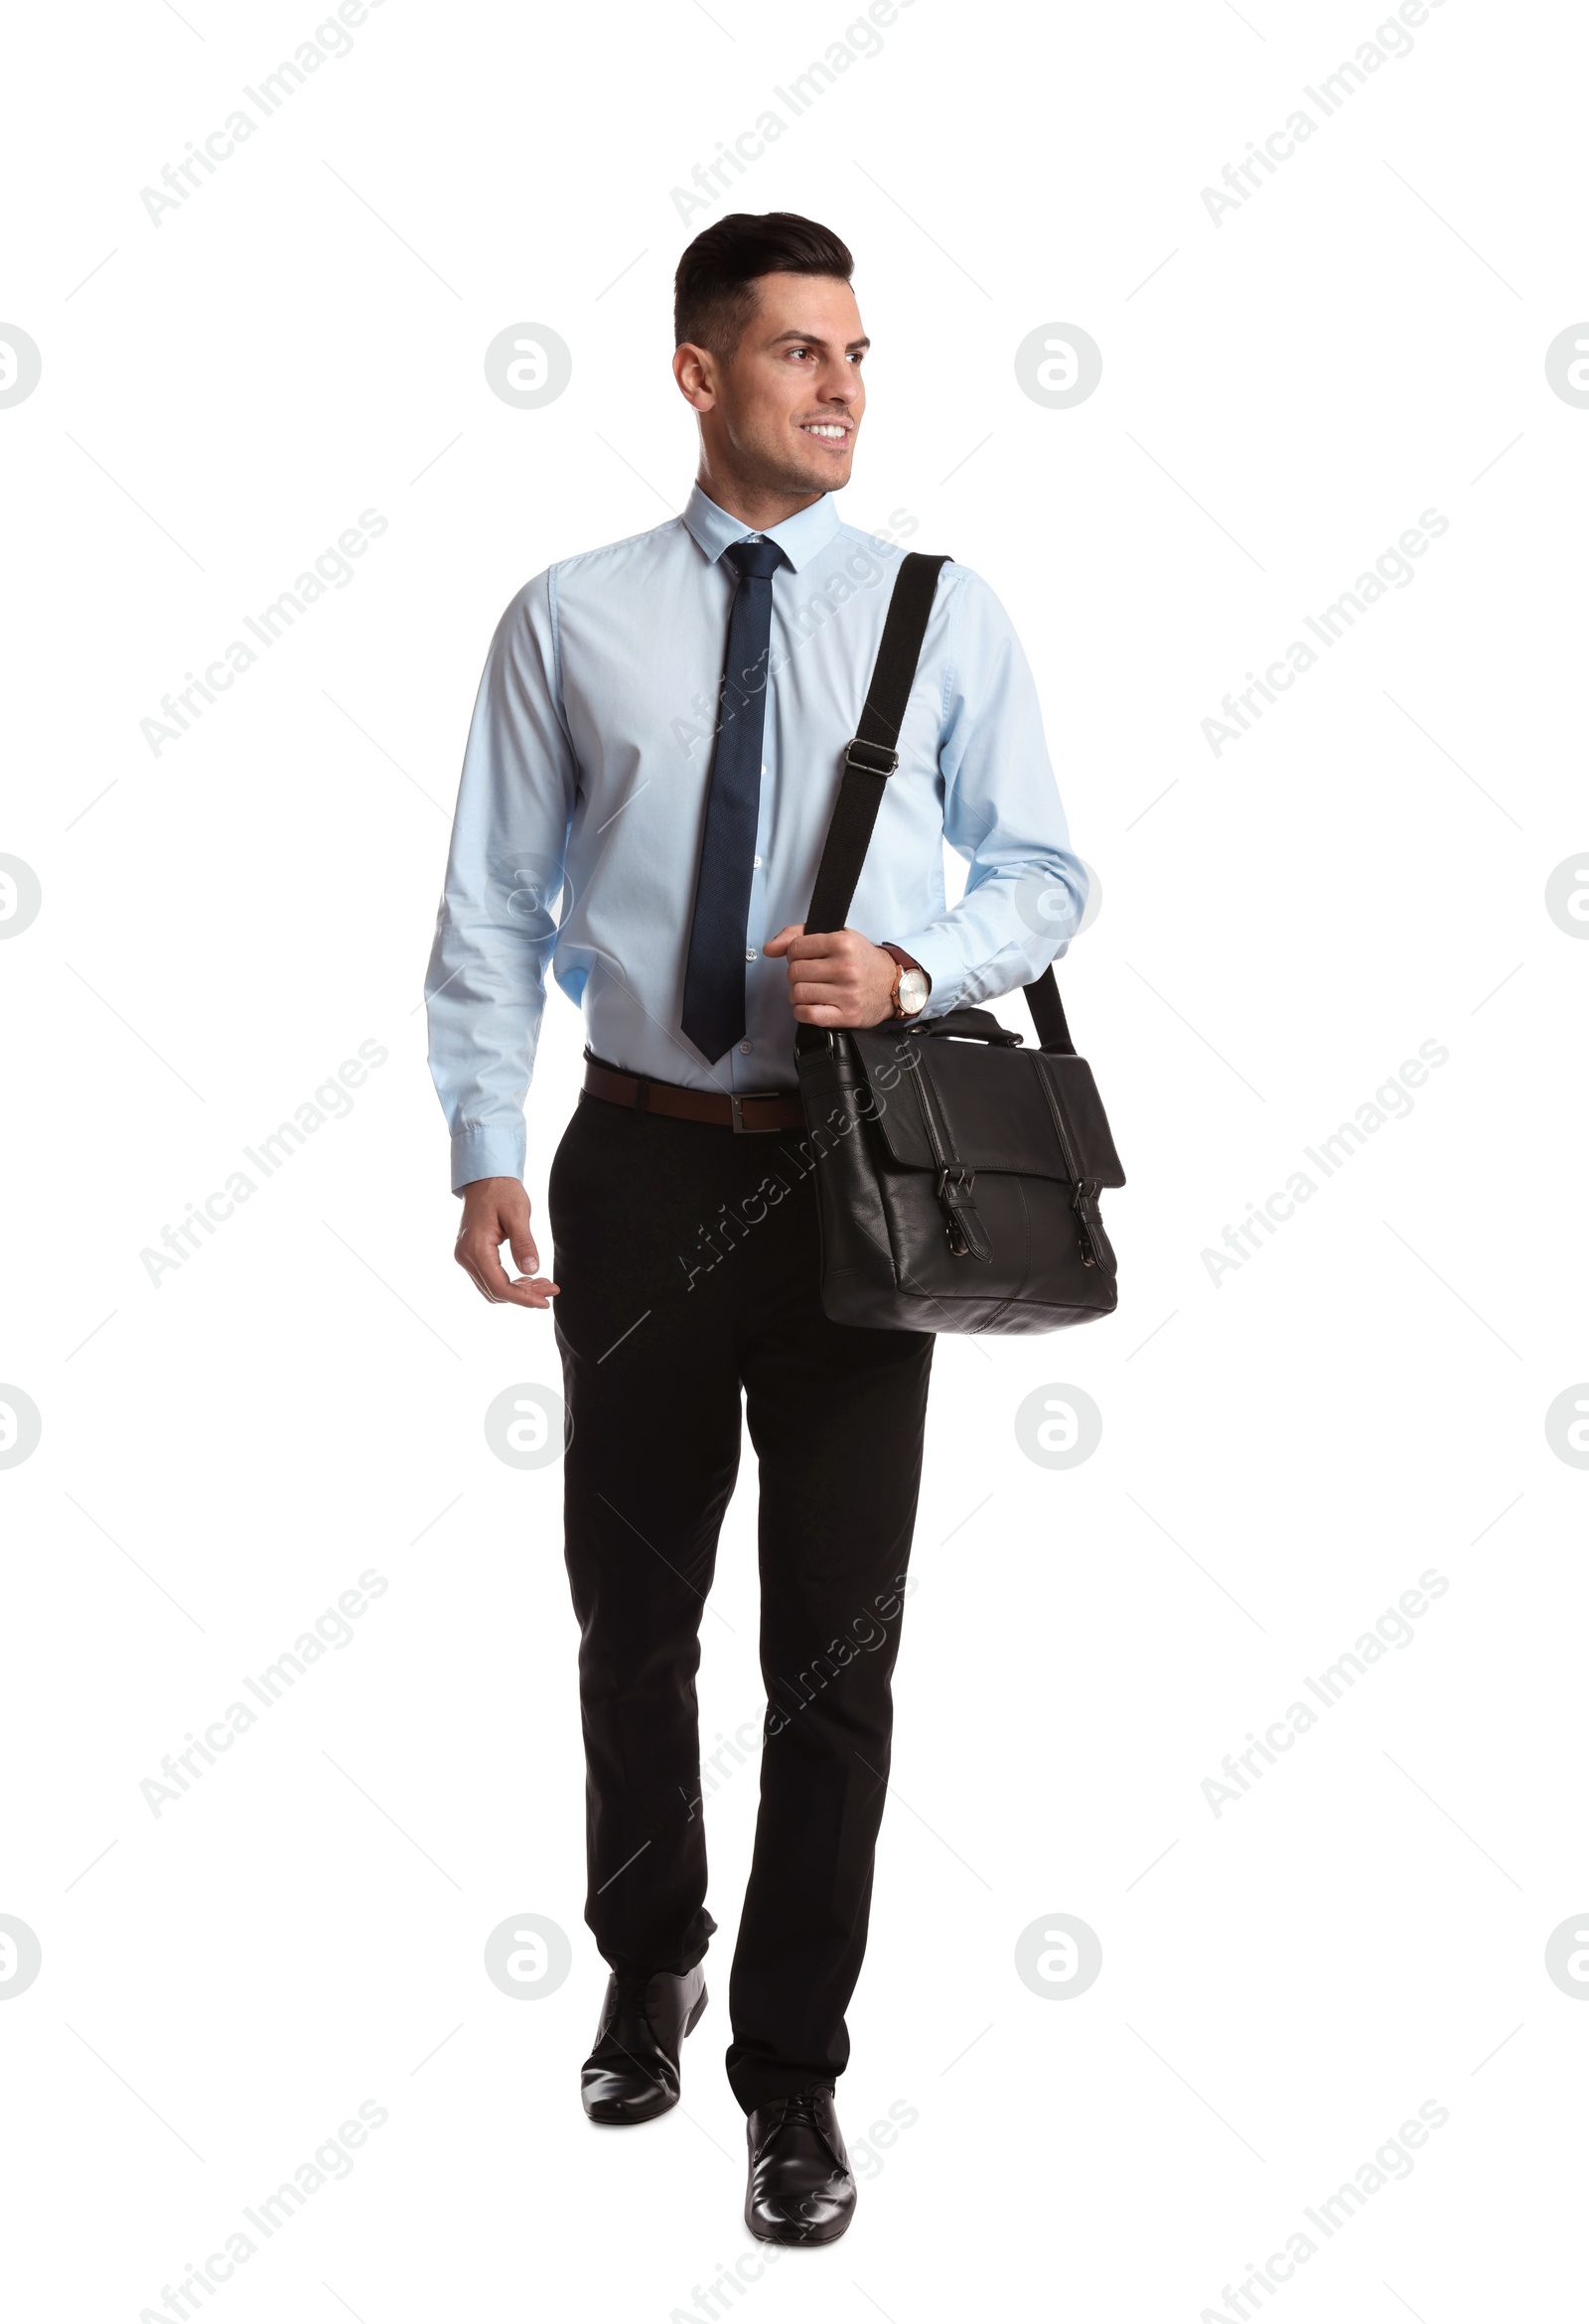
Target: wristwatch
{"points": [[911, 986]]}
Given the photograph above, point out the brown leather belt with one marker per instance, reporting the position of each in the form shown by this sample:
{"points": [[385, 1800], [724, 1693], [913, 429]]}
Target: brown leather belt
{"points": [[772, 1109]]}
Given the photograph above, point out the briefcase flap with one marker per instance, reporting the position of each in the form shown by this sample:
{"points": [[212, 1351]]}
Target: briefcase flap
{"points": [[993, 1103]]}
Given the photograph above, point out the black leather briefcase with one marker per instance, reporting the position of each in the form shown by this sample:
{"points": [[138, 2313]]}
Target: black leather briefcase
{"points": [[958, 1171]]}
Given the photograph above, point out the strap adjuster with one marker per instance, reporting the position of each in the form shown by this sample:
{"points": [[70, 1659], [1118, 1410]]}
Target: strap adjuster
{"points": [[870, 757]]}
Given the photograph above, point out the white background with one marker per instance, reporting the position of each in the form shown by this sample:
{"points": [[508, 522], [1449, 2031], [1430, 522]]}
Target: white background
{"points": [[1283, 1452]]}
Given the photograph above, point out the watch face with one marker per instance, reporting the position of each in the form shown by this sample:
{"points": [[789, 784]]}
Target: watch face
{"points": [[913, 992]]}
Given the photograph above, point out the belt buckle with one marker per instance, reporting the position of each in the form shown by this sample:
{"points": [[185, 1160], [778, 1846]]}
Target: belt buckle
{"points": [[736, 1110]]}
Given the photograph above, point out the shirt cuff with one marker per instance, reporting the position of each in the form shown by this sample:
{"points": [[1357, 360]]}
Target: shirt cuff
{"points": [[488, 1150]]}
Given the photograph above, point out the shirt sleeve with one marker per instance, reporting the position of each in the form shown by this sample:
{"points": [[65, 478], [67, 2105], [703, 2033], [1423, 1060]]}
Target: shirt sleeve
{"points": [[496, 927], [1026, 891]]}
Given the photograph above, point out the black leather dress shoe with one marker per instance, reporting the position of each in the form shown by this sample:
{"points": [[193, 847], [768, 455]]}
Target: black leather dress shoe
{"points": [[631, 2074], [801, 2187]]}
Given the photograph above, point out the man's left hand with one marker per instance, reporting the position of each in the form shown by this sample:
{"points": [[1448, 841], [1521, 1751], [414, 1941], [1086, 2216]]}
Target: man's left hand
{"points": [[838, 980]]}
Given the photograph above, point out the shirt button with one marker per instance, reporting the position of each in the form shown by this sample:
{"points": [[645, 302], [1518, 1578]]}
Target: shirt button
{"points": [[750, 949], [744, 1049], [755, 863]]}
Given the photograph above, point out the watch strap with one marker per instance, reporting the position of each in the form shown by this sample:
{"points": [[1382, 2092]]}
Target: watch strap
{"points": [[902, 959]]}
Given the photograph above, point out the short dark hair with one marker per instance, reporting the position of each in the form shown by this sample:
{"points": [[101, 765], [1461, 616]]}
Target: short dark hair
{"points": [[713, 293]]}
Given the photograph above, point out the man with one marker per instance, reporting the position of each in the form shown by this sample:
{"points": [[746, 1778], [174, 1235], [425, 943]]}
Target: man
{"points": [[659, 740]]}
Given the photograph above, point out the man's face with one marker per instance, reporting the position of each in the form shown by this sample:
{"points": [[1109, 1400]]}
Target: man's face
{"points": [[787, 405]]}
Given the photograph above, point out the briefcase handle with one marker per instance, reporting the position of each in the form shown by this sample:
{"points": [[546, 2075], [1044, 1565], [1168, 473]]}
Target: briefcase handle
{"points": [[966, 1025]]}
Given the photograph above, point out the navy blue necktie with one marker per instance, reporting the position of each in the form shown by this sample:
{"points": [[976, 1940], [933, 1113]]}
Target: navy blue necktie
{"points": [[714, 975]]}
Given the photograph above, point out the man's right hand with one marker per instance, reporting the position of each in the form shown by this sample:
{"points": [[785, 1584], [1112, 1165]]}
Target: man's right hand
{"points": [[496, 1210]]}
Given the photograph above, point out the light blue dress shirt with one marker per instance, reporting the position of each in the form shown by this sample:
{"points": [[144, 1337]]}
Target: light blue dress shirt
{"points": [[586, 775]]}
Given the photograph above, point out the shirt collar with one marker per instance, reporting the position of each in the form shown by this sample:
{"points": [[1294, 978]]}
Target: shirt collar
{"points": [[798, 536]]}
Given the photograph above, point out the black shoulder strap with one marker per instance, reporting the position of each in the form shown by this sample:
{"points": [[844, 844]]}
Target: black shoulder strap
{"points": [[871, 757]]}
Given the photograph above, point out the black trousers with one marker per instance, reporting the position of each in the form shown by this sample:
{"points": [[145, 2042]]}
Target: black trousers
{"points": [[688, 1260]]}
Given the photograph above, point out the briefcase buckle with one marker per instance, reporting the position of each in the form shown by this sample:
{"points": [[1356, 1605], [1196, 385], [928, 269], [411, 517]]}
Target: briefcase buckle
{"points": [[870, 757]]}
